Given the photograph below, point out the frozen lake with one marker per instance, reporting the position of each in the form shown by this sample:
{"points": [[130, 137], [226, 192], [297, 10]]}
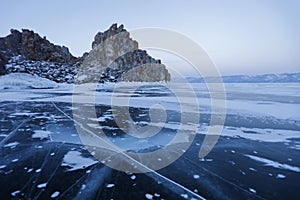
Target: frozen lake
{"points": [[256, 156]]}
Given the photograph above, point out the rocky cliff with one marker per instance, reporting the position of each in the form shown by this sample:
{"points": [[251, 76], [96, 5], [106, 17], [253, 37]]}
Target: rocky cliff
{"points": [[114, 57], [32, 47]]}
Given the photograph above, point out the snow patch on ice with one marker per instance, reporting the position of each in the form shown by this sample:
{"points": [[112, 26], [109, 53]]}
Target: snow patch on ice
{"points": [[38, 170], [196, 176], [156, 195], [15, 193], [252, 190], [41, 134], [29, 170], [184, 196], [23, 80], [266, 135], [274, 163], [42, 185], [149, 196], [75, 161], [110, 185], [2, 166], [55, 194], [12, 144], [280, 176]]}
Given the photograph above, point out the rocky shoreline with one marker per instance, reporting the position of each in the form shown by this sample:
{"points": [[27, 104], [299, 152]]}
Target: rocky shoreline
{"points": [[27, 52]]}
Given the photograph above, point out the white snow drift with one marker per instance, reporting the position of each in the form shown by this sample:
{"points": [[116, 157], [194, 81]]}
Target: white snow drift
{"points": [[23, 80]]}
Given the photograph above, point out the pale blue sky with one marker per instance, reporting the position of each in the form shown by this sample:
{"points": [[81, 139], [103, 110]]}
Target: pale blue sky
{"points": [[254, 36]]}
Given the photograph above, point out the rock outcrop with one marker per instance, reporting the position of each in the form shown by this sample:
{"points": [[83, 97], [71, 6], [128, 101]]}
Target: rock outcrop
{"points": [[114, 57], [32, 47], [58, 72]]}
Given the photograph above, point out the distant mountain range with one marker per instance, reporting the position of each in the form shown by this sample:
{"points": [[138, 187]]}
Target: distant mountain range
{"points": [[264, 78]]}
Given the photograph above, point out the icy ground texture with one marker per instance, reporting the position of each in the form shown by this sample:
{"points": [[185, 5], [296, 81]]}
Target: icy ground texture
{"points": [[22, 81], [256, 157]]}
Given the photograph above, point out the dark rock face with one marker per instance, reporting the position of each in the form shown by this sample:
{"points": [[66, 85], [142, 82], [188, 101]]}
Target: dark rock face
{"points": [[32, 47], [27, 52], [2, 64]]}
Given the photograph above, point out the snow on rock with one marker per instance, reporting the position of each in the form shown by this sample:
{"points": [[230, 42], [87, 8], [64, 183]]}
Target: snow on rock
{"points": [[74, 160], [27, 52], [22, 81], [58, 72]]}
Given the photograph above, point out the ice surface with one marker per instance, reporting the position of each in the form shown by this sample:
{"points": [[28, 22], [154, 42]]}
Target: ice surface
{"points": [[264, 102], [259, 143]]}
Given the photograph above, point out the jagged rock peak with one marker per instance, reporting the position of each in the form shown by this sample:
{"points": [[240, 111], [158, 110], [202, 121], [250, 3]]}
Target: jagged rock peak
{"points": [[120, 59], [113, 30], [30, 45]]}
